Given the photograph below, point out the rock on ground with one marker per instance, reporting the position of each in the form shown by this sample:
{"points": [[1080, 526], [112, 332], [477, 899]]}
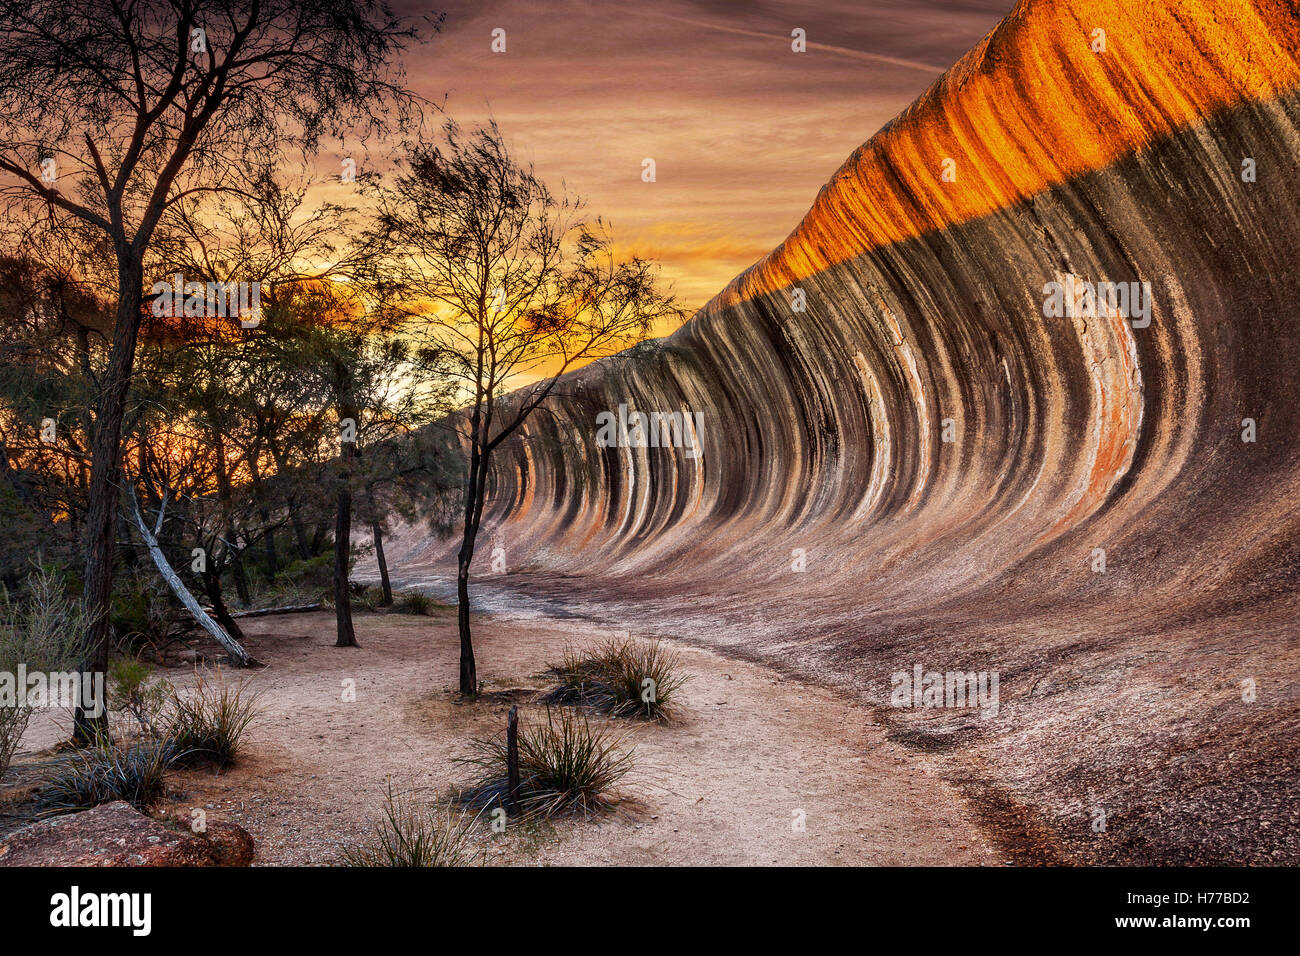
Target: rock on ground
{"points": [[116, 834]]}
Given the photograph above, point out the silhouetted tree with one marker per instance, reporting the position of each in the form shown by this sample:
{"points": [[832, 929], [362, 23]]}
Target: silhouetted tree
{"points": [[112, 111], [523, 290]]}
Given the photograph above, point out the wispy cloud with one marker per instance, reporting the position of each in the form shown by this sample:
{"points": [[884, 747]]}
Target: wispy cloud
{"points": [[743, 131]]}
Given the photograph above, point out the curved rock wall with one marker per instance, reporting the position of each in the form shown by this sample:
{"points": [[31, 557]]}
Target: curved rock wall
{"points": [[883, 402]]}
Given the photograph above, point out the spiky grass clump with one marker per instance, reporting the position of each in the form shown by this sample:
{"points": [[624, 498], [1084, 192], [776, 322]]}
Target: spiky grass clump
{"points": [[414, 602], [105, 772], [623, 678], [411, 834], [565, 766], [207, 723]]}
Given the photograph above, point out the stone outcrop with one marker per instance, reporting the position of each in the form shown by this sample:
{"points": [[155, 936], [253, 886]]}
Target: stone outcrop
{"points": [[1096, 498]]}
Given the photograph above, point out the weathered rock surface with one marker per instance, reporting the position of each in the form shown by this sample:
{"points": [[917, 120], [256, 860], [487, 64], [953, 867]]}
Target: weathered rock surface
{"points": [[116, 834], [885, 396], [231, 844]]}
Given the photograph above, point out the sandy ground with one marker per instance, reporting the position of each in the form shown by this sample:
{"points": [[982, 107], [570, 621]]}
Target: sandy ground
{"points": [[751, 754]]}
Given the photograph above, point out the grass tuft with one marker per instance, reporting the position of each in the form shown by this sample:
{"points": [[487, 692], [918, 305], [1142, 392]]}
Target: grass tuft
{"points": [[565, 766], [207, 723], [622, 678], [414, 602], [412, 834], [105, 772]]}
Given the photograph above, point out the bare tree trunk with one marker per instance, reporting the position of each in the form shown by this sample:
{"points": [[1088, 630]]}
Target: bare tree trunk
{"points": [[264, 512], [272, 560], [241, 578], [468, 670], [212, 584], [225, 496], [232, 646], [105, 467], [342, 557], [268, 611], [343, 522], [377, 532], [384, 582]]}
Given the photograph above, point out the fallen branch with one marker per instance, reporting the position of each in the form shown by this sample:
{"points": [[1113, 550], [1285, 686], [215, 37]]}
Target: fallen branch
{"points": [[237, 653], [265, 611]]}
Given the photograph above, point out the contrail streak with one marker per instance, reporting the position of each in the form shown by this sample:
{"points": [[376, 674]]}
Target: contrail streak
{"points": [[828, 48]]}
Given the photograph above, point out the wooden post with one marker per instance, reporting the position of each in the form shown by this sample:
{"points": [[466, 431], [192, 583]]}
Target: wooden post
{"points": [[512, 761]]}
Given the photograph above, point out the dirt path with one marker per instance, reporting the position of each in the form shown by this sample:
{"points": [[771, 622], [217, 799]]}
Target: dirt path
{"points": [[721, 786]]}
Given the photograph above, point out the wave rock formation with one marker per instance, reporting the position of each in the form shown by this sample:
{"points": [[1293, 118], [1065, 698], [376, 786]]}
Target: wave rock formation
{"points": [[1101, 503]]}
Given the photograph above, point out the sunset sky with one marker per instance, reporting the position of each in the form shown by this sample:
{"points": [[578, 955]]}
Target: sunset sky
{"points": [[743, 131]]}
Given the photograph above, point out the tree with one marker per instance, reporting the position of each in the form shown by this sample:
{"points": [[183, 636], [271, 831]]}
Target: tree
{"points": [[188, 439], [112, 111], [380, 388], [519, 287], [51, 348], [411, 474]]}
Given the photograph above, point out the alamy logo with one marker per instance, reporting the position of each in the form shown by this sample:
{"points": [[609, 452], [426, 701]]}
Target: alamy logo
{"points": [[178, 298], [52, 689], [1072, 297], [73, 909], [922, 688], [650, 430]]}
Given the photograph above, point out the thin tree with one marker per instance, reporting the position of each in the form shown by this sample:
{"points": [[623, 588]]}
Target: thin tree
{"points": [[113, 110], [380, 388], [521, 289]]}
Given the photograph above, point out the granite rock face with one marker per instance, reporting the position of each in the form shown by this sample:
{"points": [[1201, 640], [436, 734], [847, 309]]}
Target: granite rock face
{"points": [[909, 454]]}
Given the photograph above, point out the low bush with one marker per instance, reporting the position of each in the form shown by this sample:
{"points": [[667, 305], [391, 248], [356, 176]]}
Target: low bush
{"points": [[207, 722], [414, 602], [306, 581], [145, 615], [41, 631], [133, 689]]}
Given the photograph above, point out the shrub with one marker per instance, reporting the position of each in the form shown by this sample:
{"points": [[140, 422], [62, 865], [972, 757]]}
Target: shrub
{"points": [[414, 834], [623, 678], [44, 631], [306, 581], [132, 688], [564, 766], [105, 772], [145, 614], [207, 723], [364, 598]]}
